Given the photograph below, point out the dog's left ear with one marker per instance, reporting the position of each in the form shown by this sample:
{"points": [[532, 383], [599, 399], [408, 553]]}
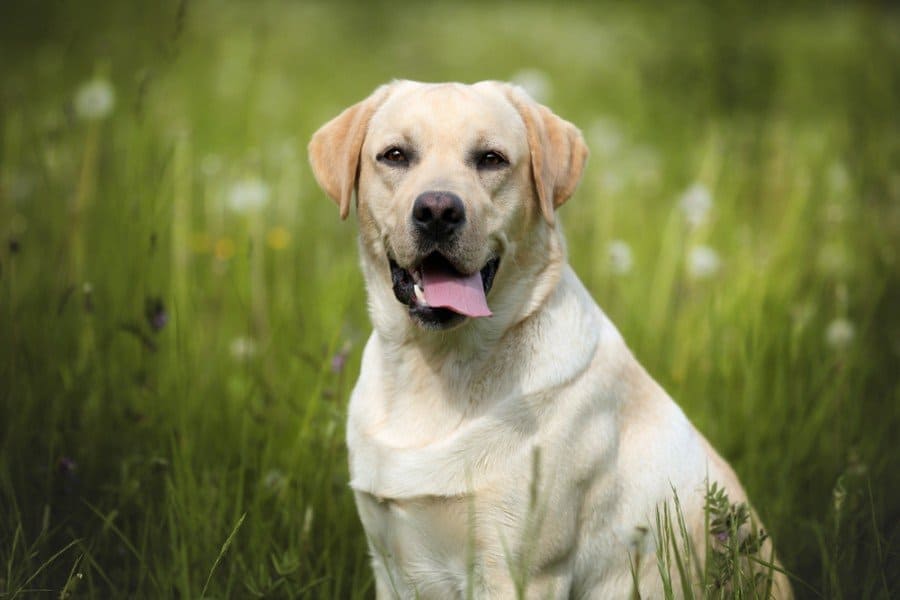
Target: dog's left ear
{"points": [[558, 152], [335, 148]]}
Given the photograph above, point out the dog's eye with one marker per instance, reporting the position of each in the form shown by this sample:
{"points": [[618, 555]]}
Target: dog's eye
{"points": [[491, 160], [394, 155]]}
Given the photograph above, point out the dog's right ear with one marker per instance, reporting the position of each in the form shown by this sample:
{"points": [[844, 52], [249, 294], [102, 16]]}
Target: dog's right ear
{"points": [[335, 149]]}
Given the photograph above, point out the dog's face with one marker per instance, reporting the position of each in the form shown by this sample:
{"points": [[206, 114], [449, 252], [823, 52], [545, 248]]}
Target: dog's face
{"points": [[450, 180]]}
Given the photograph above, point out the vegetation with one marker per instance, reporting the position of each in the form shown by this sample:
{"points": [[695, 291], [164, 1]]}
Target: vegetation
{"points": [[181, 312]]}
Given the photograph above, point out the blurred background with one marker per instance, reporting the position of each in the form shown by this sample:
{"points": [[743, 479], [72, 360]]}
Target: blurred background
{"points": [[181, 312]]}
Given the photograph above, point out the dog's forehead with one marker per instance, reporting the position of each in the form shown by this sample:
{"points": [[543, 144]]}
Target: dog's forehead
{"points": [[434, 109]]}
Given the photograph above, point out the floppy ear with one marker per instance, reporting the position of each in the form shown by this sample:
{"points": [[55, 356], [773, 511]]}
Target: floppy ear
{"points": [[335, 148], [558, 152]]}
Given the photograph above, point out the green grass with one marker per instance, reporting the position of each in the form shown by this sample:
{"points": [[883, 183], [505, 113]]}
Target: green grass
{"points": [[206, 457]]}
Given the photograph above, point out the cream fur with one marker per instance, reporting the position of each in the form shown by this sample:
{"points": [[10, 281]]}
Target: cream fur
{"points": [[529, 440]]}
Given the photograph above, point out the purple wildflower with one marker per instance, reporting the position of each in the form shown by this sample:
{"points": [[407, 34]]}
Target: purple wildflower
{"points": [[155, 312], [67, 469], [338, 361], [66, 466]]}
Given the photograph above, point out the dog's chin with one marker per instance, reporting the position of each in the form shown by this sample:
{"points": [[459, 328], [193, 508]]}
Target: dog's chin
{"points": [[407, 288], [435, 319]]}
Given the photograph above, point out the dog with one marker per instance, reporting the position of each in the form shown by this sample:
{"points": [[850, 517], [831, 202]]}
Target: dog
{"points": [[503, 440]]}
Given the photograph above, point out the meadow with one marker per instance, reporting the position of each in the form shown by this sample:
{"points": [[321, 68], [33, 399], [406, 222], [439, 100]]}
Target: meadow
{"points": [[181, 311]]}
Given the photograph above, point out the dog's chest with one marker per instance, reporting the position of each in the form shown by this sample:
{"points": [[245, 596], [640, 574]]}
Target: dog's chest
{"points": [[427, 539]]}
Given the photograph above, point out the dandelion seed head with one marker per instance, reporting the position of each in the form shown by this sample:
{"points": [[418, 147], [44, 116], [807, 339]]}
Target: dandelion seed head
{"points": [[95, 100], [703, 262], [242, 349], [840, 334], [696, 203], [620, 257], [248, 195], [605, 136], [274, 480], [535, 82]]}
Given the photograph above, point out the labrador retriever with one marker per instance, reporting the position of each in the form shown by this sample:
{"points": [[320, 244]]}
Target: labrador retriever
{"points": [[503, 440]]}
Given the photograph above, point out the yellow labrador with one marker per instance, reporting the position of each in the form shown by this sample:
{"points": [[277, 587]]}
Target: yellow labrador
{"points": [[502, 437]]}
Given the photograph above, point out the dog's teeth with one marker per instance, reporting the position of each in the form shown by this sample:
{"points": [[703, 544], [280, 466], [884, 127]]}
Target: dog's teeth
{"points": [[420, 294]]}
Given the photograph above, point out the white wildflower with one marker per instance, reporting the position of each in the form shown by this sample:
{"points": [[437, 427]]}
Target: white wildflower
{"points": [[242, 348], [620, 258], [703, 262], [274, 480], [840, 333], [696, 203], [535, 82], [605, 136], [95, 100], [248, 195]]}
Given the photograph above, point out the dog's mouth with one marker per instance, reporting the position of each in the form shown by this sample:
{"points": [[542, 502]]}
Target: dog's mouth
{"points": [[438, 294]]}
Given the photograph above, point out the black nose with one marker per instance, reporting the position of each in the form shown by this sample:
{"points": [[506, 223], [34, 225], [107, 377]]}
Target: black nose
{"points": [[438, 215]]}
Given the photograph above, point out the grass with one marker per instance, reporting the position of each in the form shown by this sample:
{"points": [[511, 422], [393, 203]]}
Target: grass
{"points": [[175, 363]]}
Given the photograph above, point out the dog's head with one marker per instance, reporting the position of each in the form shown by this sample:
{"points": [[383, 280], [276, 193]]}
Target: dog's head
{"points": [[456, 187]]}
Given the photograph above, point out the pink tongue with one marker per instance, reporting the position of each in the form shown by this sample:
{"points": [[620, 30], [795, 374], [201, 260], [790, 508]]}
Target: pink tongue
{"points": [[460, 293]]}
